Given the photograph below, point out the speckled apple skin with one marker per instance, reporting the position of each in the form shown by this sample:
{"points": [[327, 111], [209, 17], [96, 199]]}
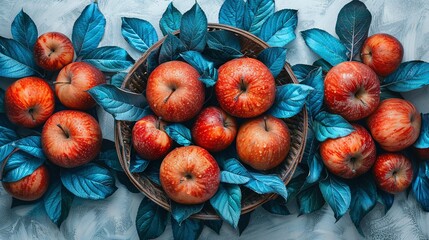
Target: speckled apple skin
{"points": [[384, 168], [260, 87], [395, 125], [214, 129], [53, 60], [261, 145], [337, 154], [82, 145], [346, 79], [196, 162], [174, 91], [29, 93], [31, 187]]}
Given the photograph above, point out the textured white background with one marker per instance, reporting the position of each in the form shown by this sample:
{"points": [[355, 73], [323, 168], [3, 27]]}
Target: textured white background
{"points": [[114, 218]]}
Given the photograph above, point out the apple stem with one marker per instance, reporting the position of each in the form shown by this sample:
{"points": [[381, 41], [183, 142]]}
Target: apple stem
{"points": [[265, 123], [31, 111], [158, 123], [64, 131], [242, 88], [165, 100], [55, 83]]}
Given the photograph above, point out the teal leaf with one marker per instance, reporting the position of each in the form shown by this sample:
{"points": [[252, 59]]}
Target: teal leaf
{"points": [[109, 59], [31, 145], [24, 30], [19, 165], [16, 61], [352, 26], [208, 74], [179, 133], [276, 206], [225, 42], [2, 94], [110, 158], [171, 48], [214, 225], [229, 177], [423, 140], [153, 60], [274, 58], [315, 101], [89, 181], [170, 20], [138, 165], [279, 29], [256, 12], [337, 194], [409, 76], [57, 201], [227, 203], [386, 94], [88, 30], [139, 33], [190, 229], [234, 172], [323, 64], [310, 199], [193, 29], [325, 45], [295, 184], [267, 183], [302, 70], [124, 180], [328, 125], [364, 199], [311, 147], [181, 212], [290, 99], [231, 13], [7, 136], [152, 172], [315, 166], [244, 222], [420, 187], [122, 105], [151, 219], [118, 79], [386, 199]]}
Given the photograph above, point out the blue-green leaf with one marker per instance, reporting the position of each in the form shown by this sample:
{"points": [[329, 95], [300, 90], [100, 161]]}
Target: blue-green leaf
{"points": [[295, 185], [152, 172], [208, 74], [311, 147], [409, 76], [244, 222], [274, 58], [352, 26], [229, 177], [279, 29], [89, 181], [179, 133], [323, 64], [118, 79], [290, 99], [364, 199], [20, 165], [190, 229], [234, 172], [225, 42], [231, 13], [2, 94], [423, 140], [193, 28], [302, 70], [227, 203], [88, 30], [386, 94], [153, 60], [267, 183], [181, 212], [139, 33], [171, 48], [109, 58], [310, 199], [315, 101], [16, 61], [57, 201], [110, 158], [122, 105], [315, 166], [337, 194], [256, 12], [7, 136], [214, 225], [151, 219], [420, 187], [31, 145], [276, 206], [325, 45], [24, 30], [328, 125], [170, 20], [138, 164], [386, 199]]}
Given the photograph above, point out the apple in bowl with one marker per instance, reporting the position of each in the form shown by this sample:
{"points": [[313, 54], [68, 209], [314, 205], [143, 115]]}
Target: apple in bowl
{"points": [[393, 172], [53, 50]]}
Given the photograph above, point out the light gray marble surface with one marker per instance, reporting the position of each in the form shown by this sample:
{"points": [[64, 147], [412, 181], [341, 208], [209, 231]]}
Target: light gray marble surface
{"points": [[114, 217]]}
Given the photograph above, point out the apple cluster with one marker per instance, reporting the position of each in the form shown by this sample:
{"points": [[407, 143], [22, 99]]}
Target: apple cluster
{"points": [[244, 91], [383, 129], [71, 137]]}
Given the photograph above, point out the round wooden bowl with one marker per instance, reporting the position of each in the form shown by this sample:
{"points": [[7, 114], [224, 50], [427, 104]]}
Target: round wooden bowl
{"points": [[135, 81]]}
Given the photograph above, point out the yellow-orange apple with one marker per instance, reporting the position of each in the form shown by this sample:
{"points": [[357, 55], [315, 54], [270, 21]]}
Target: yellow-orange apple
{"points": [[53, 50]]}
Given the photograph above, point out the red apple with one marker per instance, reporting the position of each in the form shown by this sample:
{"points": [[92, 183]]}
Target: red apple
{"points": [[31, 187], [352, 90], [72, 83], [383, 53], [174, 91], [245, 87], [263, 143], [349, 156], [53, 50], [214, 129], [71, 138], [149, 139], [393, 172], [29, 102], [395, 125], [189, 175]]}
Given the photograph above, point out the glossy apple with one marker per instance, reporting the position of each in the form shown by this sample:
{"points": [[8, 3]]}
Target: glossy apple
{"points": [[383, 53], [53, 50], [352, 90], [149, 139], [393, 172], [214, 129], [29, 102], [189, 175], [395, 125], [71, 138], [174, 91], [73, 82], [263, 143], [349, 156], [245, 87], [31, 187]]}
